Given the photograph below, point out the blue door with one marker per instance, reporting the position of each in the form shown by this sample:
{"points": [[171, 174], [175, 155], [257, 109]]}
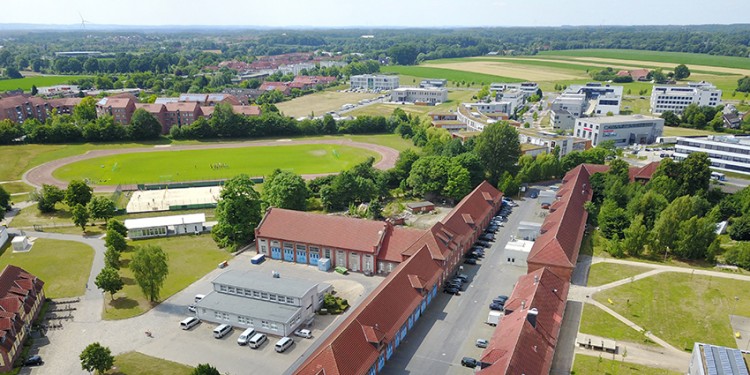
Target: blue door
{"points": [[314, 258], [301, 256], [275, 253], [289, 255]]}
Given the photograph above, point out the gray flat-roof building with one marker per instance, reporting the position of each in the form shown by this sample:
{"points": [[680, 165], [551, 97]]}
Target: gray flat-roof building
{"points": [[727, 153], [276, 306]]}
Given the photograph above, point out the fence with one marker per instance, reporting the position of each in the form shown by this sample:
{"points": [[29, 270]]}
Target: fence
{"points": [[189, 184]]}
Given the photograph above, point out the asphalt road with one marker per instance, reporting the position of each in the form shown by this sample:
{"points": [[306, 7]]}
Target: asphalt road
{"points": [[449, 328]]}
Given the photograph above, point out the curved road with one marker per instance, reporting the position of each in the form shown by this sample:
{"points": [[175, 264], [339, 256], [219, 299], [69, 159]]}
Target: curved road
{"points": [[42, 174]]}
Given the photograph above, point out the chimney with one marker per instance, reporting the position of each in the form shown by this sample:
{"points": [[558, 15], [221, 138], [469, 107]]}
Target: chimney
{"points": [[523, 304], [531, 316], [536, 279]]}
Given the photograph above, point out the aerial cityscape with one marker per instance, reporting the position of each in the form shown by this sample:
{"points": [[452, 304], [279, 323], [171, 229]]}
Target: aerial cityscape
{"points": [[369, 188]]}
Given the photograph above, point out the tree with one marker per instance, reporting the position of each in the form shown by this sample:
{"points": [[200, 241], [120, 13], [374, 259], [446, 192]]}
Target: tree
{"points": [[9, 132], [4, 202], [102, 208], [143, 125], [612, 219], [740, 228], [115, 240], [403, 165], [670, 118], [48, 197], [648, 206], [665, 233], [117, 226], [13, 73], [238, 213], [150, 269], [112, 258], [657, 75], [78, 192], [96, 358], [695, 173], [85, 111], [636, 237], [681, 72], [498, 148], [205, 369], [743, 84], [459, 183], [109, 281], [404, 54], [695, 237], [34, 90], [285, 189], [429, 175], [80, 216]]}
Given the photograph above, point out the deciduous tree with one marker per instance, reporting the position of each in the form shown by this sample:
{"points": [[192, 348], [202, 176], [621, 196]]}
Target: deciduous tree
{"points": [[681, 72], [78, 192], [96, 358], [150, 269], [143, 125], [498, 148], [101, 208], [205, 369], [115, 240], [285, 189], [112, 258], [4, 202], [109, 281], [238, 213], [117, 226], [48, 197], [80, 216]]}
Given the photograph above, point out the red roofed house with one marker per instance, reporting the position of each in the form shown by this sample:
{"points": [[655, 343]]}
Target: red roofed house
{"points": [[245, 110], [309, 82], [181, 113], [120, 108], [21, 298], [19, 108], [278, 86], [159, 111], [64, 106]]}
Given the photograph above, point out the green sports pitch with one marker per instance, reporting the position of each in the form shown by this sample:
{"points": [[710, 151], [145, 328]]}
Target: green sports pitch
{"points": [[192, 165]]}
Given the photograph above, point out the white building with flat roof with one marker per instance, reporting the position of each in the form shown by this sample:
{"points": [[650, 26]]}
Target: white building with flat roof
{"points": [[431, 95], [550, 141], [676, 98], [165, 226], [528, 88], [374, 82], [624, 130], [517, 251], [727, 153]]}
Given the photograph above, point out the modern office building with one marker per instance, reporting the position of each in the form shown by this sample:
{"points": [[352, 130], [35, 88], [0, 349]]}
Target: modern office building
{"points": [[727, 153], [717, 360], [433, 83], [676, 98], [562, 119], [374, 82], [550, 141], [592, 99], [528, 88], [624, 130], [430, 95]]}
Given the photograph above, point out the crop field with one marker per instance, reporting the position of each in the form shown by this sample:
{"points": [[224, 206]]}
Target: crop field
{"points": [[452, 75], [656, 56], [40, 81], [509, 68], [213, 163], [321, 102]]}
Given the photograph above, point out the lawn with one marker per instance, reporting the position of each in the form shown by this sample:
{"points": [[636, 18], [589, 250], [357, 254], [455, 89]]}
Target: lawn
{"points": [[589, 365], [605, 273], [135, 363], [682, 308], [393, 141], [455, 97], [321, 102], [190, 258], [213, 163], [656, 56], [596, 321], [16, 187], [635, 106], [452, 75], [673, 131], [40, 81], [64, 266]]}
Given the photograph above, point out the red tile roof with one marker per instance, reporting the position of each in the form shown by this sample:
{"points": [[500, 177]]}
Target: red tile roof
{"points": [[67, 102], [151, 108], [325, 230], [396, 240], [182, 106], [247, 110], [352, 349], [645, 172]]}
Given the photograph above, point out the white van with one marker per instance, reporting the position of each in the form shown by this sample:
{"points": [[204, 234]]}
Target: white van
{"points": [[245, 336], [257, 340], [222, 330], [199, 297], [189, 322], [284, 344]]}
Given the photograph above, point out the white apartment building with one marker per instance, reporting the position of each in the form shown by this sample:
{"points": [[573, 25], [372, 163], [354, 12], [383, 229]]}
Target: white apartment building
{"points": [[676, 98], [528, 88], [727, 153], [511, 99], [624, 130], [431, 95], [374, 82], [573, 103], [295, 69], [562, 119]]}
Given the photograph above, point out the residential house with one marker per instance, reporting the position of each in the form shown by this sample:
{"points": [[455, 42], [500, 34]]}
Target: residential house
{"points": [[21, 299], [121, 108], [181, 114], [278, 86], [63, 106]]}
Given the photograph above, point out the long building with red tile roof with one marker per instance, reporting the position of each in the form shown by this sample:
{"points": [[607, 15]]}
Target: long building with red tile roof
{"points": [[21, 298]]}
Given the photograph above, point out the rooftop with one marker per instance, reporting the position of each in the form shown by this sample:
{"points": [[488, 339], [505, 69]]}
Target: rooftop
{"points": [[619, 118], [266, 282], [720, 360], [243, 306], [160, 221]]}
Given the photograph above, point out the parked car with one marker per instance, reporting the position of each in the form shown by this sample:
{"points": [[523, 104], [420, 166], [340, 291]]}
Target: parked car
{"points": [[483, 243], [469, 362], [533, 195], [303, 333], [470, 261], [477, 254], [471, 256], [191, 308], [463, 277], [496, 306], [488, 237], [498, 301], [453, 291], [482, 343], [502, 298], [34, 360]]}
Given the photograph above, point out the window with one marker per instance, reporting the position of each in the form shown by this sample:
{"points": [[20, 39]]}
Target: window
{"points": [[274, 327], [256, 294], [290, 300], [263, 295], [222, 288], [273, 297], [264, 324]]}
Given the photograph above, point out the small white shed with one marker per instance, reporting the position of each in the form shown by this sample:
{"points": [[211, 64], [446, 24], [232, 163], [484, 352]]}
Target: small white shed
{"points": [[528, 230], [517, 252], [20, 243]]}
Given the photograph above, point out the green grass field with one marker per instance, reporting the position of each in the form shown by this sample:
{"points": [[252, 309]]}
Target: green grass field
{"points": [[673, 131], [190, 258], [449, 74], [64, 266], [40, 81], [589, 365], [605, 273], [197, 164], [16, 187], [135, 363], [682, 308], [596, 321], [656, 56]]}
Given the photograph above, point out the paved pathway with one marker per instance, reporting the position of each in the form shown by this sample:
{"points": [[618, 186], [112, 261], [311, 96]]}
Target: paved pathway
{"points": [[42, 174]]}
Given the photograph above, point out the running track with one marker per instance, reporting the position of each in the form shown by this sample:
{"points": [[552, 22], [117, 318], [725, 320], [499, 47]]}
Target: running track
{"points": [[42, 174]]}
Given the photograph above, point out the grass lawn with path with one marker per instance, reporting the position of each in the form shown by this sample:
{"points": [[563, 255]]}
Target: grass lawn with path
{"points": [[64, 266], [605, 273], [589, 365], [189, 258], [682, 308], [134, 363], [596, 321]]}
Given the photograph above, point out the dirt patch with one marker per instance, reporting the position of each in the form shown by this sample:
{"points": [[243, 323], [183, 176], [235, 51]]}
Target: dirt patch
{"points": [[513, 70]]}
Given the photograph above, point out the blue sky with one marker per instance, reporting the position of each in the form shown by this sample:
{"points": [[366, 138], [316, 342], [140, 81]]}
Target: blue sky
{"points": [[377, 13]]}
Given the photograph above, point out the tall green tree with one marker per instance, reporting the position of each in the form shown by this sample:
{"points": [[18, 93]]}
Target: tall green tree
{"points": [[112, 258], [238, 213], [4, 202], [695, 173], [681, 72], [117, 226], [143, 125], [102, 208], [9, 131], [649, 206], [48, 197], [740, 228], [285, 189], [666, 229], [80, 216], [404, 54], [115, 240], [695, 237], [109, 281], [150, 269], [96, 358], [636, 237], [458, 184], [78, 192], [205, 369], [429, 175], [498, 148], [612, 219], [85, 111]]}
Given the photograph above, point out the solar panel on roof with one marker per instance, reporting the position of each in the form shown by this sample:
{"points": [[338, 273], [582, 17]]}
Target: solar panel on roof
{"points": [[739, 362], [710, 363]]}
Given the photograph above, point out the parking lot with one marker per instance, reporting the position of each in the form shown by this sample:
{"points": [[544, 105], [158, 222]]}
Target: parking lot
{"points": [[450, 327]]}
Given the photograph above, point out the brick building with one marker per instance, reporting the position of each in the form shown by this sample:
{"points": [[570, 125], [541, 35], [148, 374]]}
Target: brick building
{"points": [[121, 108], [21, 298]]}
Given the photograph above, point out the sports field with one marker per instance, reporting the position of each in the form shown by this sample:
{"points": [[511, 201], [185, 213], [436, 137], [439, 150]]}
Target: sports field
{"points": [[190, 165], [321, 102], [40, 81]]}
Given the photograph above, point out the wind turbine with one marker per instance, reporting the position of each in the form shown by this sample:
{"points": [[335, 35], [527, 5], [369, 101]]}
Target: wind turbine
{"points": [[83, 21]]}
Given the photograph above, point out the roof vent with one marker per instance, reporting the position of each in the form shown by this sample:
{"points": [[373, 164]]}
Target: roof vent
{"points": [[523, 304], [536, 279], [531, 316]]}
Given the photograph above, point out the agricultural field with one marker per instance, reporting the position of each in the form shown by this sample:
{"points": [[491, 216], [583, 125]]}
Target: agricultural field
{"points": [[681, 308], [672, 131], [452, 75], [656, 56], [321, 102], [40, 81], [214, 163]]}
